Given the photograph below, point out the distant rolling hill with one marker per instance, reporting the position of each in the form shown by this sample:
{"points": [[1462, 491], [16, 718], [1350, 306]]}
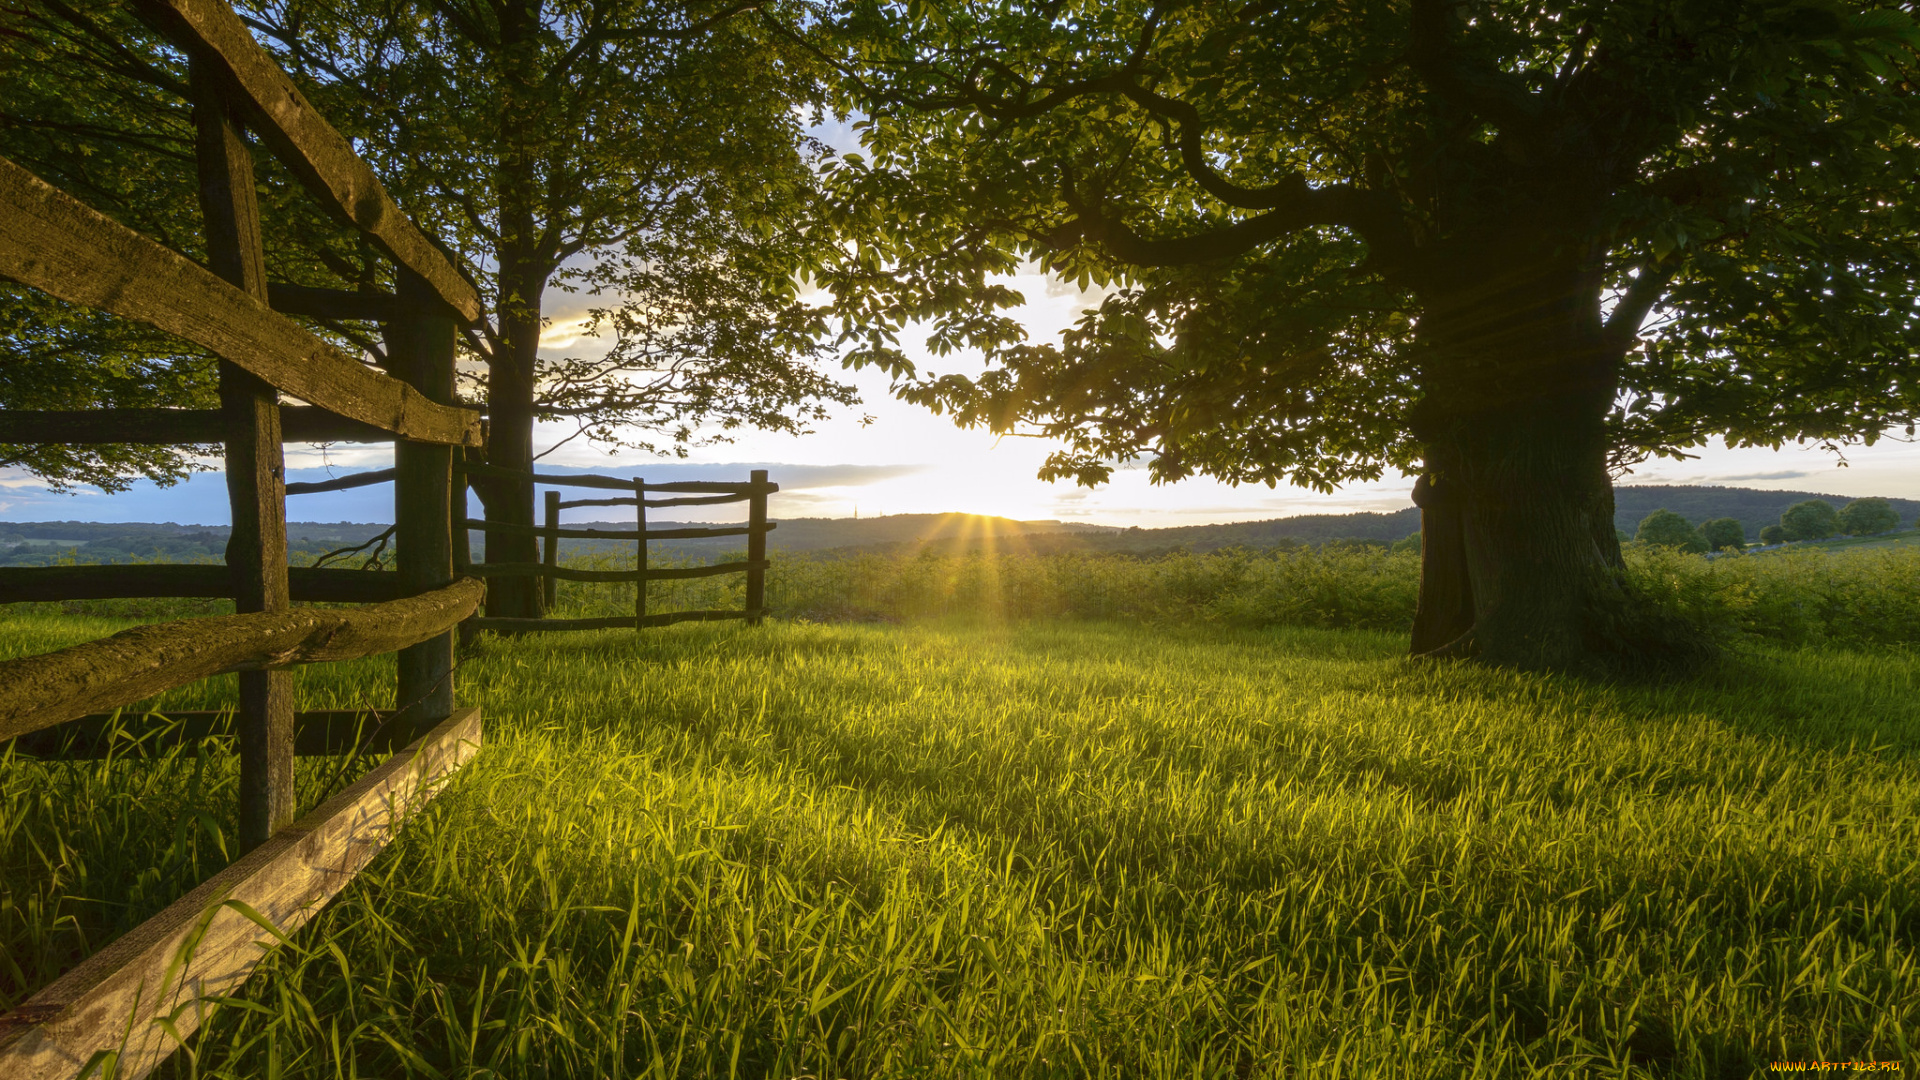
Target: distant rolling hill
{"points": [[45, 541], [1752, 507], [895, 533]]}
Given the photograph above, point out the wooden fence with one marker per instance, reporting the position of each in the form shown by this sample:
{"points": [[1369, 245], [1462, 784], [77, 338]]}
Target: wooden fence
{"points": [[682, 493], [129, 1005]]}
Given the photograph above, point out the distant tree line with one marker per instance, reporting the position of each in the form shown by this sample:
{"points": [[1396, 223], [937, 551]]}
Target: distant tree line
{"points": [[1810, 519]]}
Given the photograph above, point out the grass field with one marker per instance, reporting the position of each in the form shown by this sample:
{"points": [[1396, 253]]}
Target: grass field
{"points": [[1065, 849]]}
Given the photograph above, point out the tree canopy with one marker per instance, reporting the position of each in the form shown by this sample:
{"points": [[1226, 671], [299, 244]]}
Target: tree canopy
{"points": [[1722, 534], [1866, 517], [1272, 194], [1812, 519], [1506, 246], [93, 103], [645, 154], [642, 153], [1664, 528]]}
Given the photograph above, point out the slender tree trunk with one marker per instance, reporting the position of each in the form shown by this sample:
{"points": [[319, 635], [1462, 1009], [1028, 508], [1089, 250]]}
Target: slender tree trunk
{"points": [[1521, 563], [510, 388], [521, 281]]}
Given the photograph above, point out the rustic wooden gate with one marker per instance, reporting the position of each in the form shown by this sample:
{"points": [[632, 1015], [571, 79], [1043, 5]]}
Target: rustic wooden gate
{"points": [[677, 493], [129, 1005]]}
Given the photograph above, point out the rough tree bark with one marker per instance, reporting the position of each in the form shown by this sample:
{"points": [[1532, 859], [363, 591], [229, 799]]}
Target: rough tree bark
{"points": [[521, 283], [1521, 564], [510, 387]]}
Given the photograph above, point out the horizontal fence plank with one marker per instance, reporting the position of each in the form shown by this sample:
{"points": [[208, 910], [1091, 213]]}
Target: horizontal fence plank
{"points": [[710, 500], [39, 691], [567, 573], [55, 243], [541, 530], [705, 500], [306, 143], [316, 733], [741, 489], [610, 534], [334, 303], [95, 427], [343, 483], [695, 534], [172, 427], [616, 622], [139, 580], [202, 946]]}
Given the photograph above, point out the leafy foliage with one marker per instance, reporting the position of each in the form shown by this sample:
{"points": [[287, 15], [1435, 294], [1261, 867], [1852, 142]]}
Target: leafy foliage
{"points": [[1724, 533], [1664, 528], [644, 154], [1753, 508], [54, 356], [124, 144], [1773, 534], [660, 152], [1814, 519], [1866, 517], [1286, 206]]}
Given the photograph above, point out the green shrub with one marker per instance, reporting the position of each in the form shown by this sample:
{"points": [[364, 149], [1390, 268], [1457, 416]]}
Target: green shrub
{"points": [[1772, 534], [1723, 533], [1814, 519], [1664, 528], [1864, 598], [1867, 517]]}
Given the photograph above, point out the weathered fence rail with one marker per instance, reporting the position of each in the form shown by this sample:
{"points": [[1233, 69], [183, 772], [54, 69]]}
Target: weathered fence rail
{"points": [[57, 244], [131, 1003], [607, 534], [161, 975], [754, 492], [567, 573], [123, 581], [95, 427], [39, 691]]}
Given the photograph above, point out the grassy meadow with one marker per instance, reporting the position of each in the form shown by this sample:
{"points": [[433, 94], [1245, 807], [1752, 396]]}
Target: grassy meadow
{"points": [[1130, 847], [1857, 598]]}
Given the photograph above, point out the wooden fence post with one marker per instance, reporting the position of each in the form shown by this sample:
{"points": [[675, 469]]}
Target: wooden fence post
{"points": [[256, 473], [640, 563], [550, 555], [757, 548], [420, 348]]}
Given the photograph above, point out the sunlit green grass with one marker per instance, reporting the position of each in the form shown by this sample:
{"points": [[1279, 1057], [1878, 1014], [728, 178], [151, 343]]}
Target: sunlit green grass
{"points": [[1067, 849]]}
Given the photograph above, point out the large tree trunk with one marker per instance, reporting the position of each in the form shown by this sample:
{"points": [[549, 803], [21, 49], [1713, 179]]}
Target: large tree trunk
{"points": [[1521, 563]]}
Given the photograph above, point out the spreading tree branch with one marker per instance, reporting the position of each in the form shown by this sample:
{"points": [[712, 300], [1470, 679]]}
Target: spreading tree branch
{"points": [[1649, 285], [1494, 95]]}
